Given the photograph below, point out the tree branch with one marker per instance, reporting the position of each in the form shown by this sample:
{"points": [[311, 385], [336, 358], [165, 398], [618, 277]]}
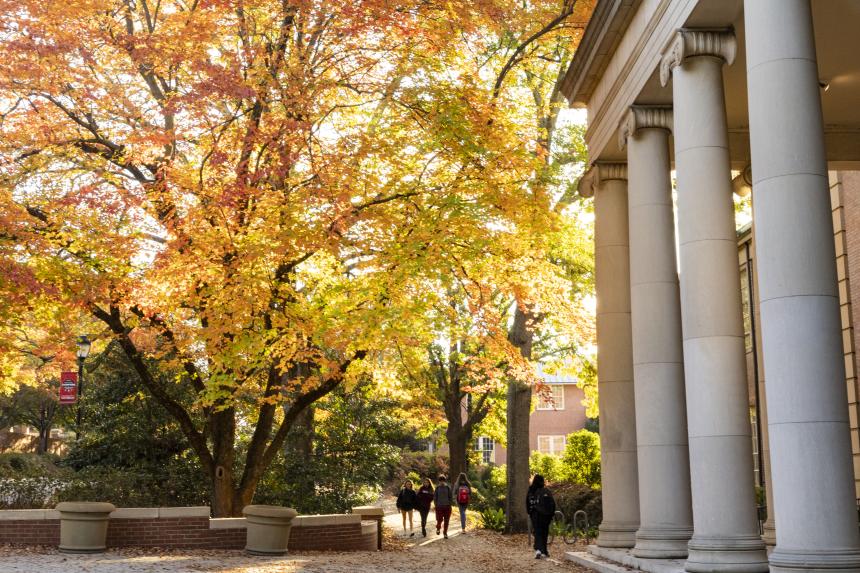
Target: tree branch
{"points": [[515, 58]]}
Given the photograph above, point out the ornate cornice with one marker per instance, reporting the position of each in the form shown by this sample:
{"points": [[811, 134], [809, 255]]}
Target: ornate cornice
{"points": [[644, 117], [605, 29], [694, 42], [600, 172]]}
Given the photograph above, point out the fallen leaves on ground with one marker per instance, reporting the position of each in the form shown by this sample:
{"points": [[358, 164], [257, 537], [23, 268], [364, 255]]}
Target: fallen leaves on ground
{"points": [[477, 551]]}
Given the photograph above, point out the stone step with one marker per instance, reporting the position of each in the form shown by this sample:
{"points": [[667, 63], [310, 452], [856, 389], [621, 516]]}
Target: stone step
{"points": [[605, 560]]}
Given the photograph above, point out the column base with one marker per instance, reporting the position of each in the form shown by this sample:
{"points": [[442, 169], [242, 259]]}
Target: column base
{"points": [[814, 561], [653, 543], [618, 535], [727, 554]]}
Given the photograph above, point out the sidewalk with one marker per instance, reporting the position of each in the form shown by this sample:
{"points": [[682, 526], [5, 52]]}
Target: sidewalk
{"points": [[394, 522], [477, 552]]}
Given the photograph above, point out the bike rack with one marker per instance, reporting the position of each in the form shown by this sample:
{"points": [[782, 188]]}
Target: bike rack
{"points": [[585, 527], [580, 524]]}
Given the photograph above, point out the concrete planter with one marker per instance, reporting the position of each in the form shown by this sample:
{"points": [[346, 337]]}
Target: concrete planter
{"points": [[83, 526], [268, 529]]}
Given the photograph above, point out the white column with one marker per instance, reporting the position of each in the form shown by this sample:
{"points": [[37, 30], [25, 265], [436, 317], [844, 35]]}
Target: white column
{"points": [[726, 536], [665, 513], [614, 357], [810, 449]]}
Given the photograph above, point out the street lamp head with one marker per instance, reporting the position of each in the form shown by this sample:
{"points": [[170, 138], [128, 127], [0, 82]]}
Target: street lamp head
{"points": [[83, 347]]}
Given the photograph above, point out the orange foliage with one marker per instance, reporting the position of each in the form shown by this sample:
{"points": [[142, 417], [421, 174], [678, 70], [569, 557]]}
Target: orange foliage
{"points": [[260, 194]]}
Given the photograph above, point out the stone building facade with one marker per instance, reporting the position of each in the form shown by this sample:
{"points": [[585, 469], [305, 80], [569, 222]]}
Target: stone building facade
{"points": [[715, 90]]}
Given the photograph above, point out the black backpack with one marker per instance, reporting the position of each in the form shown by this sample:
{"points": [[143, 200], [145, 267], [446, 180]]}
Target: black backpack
{"points": [[542, 502]]}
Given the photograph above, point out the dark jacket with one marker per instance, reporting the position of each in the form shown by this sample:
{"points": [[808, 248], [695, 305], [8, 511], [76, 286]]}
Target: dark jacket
{"points": [[406, 499], [540, 503], [444, 496], [425, 498]]}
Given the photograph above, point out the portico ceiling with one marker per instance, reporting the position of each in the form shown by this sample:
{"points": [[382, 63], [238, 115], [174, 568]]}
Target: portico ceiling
{"points": [[608, 75]]}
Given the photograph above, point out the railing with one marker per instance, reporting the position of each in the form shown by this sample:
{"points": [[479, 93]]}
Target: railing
{"points": [[762, 517]]}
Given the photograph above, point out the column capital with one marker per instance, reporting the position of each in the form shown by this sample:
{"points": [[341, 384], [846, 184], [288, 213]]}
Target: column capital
{"points": [[644, 117], [689, 42], [601, 171]]}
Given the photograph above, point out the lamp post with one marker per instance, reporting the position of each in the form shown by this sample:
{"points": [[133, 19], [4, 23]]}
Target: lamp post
{"points": [[83, 351]]}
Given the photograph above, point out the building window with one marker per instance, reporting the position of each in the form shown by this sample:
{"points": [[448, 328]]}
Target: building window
{"points": [[487, 447], [552, 399], [747, 307], [552, 445]]}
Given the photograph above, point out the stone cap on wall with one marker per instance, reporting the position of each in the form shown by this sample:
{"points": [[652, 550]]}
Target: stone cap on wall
{"points": [[300, 521], [202, 511], [159, 512], [228, 523], [118, 513], [368, 511], [28, 514], [331, 519]]}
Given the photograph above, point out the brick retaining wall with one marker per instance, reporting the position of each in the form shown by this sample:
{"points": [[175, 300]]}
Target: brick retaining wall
{"points": [[190, 528], [30, 527], [332, 533]]}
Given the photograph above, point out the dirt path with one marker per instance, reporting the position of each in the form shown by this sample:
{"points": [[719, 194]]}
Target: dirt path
{"points": [[475, 552]]}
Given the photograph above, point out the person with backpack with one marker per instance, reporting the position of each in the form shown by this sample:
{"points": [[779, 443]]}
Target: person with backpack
{"points": [[464, 494], [443, 498], [541, 509], [423, 503], [406, 501]]}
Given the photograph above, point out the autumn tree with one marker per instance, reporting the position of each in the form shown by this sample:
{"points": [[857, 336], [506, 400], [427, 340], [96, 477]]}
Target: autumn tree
{"points": [[467, 398], [31, 352], [249, 192], [39, 408], [460, 370], [549, 53]]}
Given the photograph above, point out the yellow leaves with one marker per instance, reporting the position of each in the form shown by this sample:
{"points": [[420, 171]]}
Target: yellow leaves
{"points": [[280, 196]]}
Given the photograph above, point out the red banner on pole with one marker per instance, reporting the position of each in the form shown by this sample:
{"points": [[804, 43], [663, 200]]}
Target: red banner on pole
{"points": [[68, 387]]}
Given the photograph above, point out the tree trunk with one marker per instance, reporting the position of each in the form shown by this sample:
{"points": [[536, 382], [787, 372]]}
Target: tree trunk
{"points": [[455, 432], [519, 409], [519, 404], [457, 442], [44, 435], [224, 498], [45, 424], [243, 497], [223, 493], [300, 446]]}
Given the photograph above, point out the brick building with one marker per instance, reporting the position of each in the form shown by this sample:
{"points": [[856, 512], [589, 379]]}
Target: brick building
{"points": [[557, 413]]}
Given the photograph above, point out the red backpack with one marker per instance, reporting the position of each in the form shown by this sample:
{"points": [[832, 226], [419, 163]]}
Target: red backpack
{"points": [[463, 494]]}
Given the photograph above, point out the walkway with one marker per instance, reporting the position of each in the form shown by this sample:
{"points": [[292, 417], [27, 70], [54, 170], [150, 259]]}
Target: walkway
{"points": [[394, 523], [475, 552]]}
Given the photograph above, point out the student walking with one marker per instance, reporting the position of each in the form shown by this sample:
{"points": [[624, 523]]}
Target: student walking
{"points": [[423, 502], [443, 498], [463, 491], [541, 509], [406, 501]]}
